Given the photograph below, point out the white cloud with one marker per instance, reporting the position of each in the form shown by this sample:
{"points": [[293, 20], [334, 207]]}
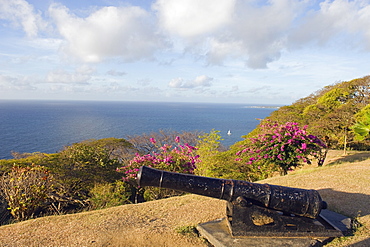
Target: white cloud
{"points": [[202, 81], [230, 29], [176, 83], [81, 76], [257, 33], [250, 31], [220, 50], [21, 13], [144, 82], [199, 81], [350, 19], [116, 73], [234, 89], [191, 18], [258, 89], [125, 32], [301, 43], [20, 83]]}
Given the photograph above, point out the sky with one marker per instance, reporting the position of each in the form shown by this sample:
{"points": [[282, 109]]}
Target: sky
{"points": [[221, 51]]}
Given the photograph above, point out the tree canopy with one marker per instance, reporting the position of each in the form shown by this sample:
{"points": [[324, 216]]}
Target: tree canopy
{"points": [[330, 112]]}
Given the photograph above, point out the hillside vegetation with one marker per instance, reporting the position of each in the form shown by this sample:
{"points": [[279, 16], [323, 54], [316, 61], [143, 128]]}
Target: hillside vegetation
{"points": [[97, 174], [342, 182], [331, 112]]}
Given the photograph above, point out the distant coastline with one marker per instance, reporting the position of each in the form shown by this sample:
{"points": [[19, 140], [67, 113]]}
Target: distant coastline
{"points": [[259, 106]]}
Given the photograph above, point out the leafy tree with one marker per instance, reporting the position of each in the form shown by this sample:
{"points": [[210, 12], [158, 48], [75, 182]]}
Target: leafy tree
{"points": [[362, 129], [338, 108], [362, 126], [208, 148], [329, 112], [334, 98]]}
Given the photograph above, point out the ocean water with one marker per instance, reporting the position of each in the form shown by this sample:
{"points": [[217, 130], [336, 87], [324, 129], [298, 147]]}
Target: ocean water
{"points": [[48, 126]]}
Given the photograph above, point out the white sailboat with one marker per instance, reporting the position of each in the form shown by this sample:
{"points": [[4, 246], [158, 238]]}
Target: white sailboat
{"points": [[229, 133]]}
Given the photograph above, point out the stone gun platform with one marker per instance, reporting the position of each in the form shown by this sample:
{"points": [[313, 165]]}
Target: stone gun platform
{"points": [[218, 234]]}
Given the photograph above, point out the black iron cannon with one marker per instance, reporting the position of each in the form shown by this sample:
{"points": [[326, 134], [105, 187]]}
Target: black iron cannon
{"points": [[253, 209]]}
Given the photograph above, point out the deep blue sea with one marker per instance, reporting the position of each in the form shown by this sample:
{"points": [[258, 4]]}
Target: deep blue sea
{"points": [[48, 126]]}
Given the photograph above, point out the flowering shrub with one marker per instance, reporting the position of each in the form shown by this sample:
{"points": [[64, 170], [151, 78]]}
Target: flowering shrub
{"points": [[172, 158], [180, 158], [285, 145]]}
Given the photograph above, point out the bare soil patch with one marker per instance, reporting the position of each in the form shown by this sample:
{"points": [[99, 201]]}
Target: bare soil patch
{"points": [[343, 182]]}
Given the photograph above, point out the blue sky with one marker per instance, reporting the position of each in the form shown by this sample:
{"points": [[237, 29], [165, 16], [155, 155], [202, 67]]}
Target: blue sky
{"points": [[225, 51]]}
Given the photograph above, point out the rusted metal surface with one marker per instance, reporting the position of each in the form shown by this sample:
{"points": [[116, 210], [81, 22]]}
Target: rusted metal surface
{"points": [[306, 203], [252, 209]]}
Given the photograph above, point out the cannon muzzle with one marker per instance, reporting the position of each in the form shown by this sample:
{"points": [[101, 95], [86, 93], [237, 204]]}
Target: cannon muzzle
{"points": [[301, 202]]}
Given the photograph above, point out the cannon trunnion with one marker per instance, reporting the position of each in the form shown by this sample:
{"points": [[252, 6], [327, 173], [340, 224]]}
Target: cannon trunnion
{"points": [[252, 209]]}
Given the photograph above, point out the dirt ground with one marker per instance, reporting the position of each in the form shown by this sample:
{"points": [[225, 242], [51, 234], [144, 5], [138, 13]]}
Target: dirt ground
{"points": [[343, 182], [148, 224]]}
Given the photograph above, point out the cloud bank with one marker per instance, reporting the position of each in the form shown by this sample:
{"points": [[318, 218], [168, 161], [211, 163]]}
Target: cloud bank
{"points": [[199, 81], [21, 14], [254, 32], [181, 48], [124, 32]]}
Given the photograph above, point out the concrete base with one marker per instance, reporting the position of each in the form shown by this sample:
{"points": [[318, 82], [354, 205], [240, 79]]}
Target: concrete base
{"points": [[218, 234]]}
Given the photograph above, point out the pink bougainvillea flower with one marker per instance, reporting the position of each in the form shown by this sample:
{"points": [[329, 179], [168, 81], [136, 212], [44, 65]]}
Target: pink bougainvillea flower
{"points": [[177, 139]]}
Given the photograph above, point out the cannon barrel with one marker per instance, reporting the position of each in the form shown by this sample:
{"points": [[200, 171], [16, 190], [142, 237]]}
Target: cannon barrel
{"points": [[306, 203]]}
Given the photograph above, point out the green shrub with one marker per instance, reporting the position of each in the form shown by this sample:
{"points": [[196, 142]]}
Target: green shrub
{"points": [[26, 190], [79, 166], [105, 195], [187, 230]]}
